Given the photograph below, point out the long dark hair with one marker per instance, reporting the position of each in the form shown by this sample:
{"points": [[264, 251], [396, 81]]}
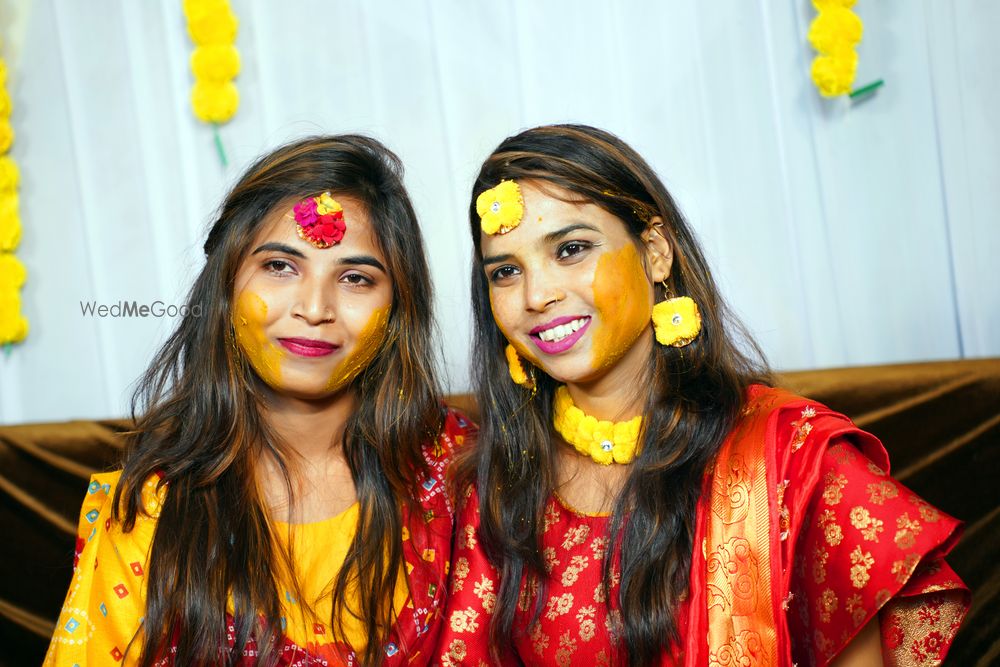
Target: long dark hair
{"points": [[200, 425], [694, 398]]}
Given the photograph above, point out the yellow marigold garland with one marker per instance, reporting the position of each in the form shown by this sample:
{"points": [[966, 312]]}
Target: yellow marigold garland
{"points": [[215, 62], [13, 325], [603, 441], [834, 33]]}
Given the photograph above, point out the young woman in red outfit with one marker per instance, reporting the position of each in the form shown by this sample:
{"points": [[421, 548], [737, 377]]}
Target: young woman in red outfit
{"points": [[640, 494]]}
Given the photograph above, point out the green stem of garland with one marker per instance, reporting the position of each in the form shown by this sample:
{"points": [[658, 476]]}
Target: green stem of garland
{"points": [[864, 90], [219, 147], [7, 347]]}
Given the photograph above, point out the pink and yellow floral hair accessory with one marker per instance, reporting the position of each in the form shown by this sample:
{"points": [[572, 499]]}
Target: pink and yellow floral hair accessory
{"points": [[320, 220], [500, 208]]}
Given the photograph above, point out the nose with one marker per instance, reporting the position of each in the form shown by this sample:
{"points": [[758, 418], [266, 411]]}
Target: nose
{"points": [[314, 304], [541, 290]]}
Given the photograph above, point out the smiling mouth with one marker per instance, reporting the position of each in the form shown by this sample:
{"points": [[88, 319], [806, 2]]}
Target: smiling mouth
{"points": [[308, 347], [560, 331], [560, 334]]}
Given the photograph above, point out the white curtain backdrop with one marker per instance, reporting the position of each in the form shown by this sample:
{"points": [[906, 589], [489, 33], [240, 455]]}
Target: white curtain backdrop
{"points": [[843, 233]]}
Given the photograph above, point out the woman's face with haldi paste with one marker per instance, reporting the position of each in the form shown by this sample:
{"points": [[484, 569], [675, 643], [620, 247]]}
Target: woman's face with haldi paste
{"points": [[310, 319], [570, 287]]}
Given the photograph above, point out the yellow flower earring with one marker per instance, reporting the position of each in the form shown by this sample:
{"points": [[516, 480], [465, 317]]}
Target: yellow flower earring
{"points": [[676, 320], [517, 372]]}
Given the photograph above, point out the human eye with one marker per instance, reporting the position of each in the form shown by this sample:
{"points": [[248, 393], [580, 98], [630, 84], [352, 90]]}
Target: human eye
{"points": [[503, 274], [279, 267], [571, 248], [356, 279]]}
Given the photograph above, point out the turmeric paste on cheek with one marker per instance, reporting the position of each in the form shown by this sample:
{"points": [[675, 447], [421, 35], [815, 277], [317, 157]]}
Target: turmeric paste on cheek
{"points": [[249, 317], [367, 346], [624, 304]]}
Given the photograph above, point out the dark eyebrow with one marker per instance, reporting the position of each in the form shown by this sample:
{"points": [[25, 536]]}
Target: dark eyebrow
{"points": [[559, 233], [364, 260], [279, 247], [494, 259], [551, 237]]}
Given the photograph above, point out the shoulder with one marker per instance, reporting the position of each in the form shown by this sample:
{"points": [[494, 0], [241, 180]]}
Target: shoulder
{"points": [[799, 428]]}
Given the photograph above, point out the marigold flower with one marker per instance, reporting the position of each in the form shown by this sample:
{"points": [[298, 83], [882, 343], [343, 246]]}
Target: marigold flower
{"points": [[9, 174], [13, 325], [500, 208], [214, 102], [12, 272], [833, 75], [835, 30], [211, 23], [215, 62], [10, 222], [6, 135]]}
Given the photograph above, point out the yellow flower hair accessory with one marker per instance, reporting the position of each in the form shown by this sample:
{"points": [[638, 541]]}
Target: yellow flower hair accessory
{"points": [[604, 441], [500, 208]]}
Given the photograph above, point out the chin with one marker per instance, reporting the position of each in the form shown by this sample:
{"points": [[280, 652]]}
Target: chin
{"points": [[571, 373]]}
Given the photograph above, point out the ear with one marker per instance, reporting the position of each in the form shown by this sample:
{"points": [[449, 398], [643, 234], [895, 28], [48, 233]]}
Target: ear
{"points": [[659, 252]]}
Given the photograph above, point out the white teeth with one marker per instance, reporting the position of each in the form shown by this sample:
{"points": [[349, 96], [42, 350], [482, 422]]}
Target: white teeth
{"points": [[560, 331]]}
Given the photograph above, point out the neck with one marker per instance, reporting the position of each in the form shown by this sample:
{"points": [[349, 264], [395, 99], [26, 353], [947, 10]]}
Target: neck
{"points": [[618, 393], [314, 430], [320, 484]]}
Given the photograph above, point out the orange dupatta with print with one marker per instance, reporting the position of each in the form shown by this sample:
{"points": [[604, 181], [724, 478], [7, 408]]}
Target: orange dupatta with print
{"points": [[733, 601]]}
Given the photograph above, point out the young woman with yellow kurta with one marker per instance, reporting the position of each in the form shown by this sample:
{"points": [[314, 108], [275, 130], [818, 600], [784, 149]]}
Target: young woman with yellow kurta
{"points": [[281, 499]]}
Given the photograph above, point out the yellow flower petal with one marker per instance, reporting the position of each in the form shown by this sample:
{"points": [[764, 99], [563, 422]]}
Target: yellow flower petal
{"points": [[600, 455], [325, 204], [13, 325], [214, 102], [215, 62], [676, 321], [211, 23], [500, 208], [10, 222], [6, 135], [834, 75], [835, 30], [9, 174], [12, 272], [517, 373]]}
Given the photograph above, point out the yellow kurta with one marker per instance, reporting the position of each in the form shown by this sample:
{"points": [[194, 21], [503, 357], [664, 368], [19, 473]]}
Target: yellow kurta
{"points": [[105, 604]]}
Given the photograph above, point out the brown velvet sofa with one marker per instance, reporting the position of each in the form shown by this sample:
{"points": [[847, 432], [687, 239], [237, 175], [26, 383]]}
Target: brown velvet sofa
{"points": [[940, 422]]}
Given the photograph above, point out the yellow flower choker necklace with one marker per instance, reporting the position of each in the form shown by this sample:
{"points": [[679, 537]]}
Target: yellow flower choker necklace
{"points": [[604, 441]]}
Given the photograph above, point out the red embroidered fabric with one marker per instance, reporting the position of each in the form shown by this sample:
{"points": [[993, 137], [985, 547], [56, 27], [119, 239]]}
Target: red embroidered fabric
{"points": [[853, 543]]}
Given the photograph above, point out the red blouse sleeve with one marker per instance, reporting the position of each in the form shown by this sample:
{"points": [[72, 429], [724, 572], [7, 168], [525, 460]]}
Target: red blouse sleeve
{"points": [[867, 545], [472, 589]]}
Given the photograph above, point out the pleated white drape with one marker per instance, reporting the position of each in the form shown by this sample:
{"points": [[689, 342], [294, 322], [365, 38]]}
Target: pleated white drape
{"points": [[842, 233]]}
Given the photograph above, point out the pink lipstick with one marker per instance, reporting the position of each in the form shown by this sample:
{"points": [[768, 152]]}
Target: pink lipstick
{"points": [[563, 344], [308, 347]]}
